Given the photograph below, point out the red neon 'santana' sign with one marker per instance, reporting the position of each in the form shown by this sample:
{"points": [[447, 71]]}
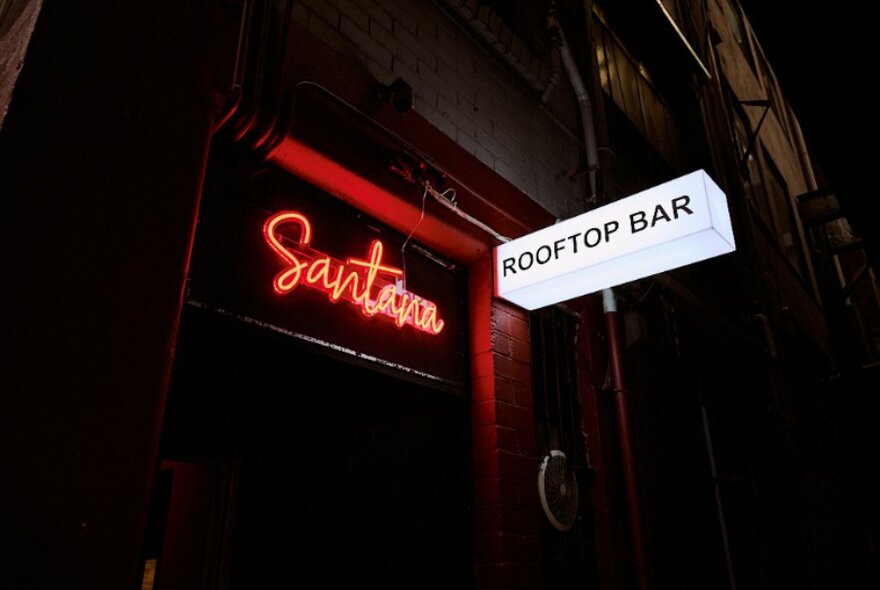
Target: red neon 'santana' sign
{"points": [[361, 281]]}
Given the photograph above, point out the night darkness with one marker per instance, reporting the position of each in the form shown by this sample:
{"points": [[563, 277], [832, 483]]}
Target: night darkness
{"points": [[825, 59]]}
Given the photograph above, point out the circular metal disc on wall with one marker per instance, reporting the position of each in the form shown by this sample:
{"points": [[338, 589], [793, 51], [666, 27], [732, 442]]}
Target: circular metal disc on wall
{"points": [[558, 489]]}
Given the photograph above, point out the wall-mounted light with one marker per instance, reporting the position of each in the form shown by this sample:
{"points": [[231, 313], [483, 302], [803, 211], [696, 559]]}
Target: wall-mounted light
{"points": [[671, 225], [399, 94]]}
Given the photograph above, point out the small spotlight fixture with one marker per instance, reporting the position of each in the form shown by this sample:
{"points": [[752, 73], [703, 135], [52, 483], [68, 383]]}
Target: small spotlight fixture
{"points": [[399, 94]]}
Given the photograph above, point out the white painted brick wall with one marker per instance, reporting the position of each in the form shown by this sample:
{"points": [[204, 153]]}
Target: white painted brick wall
{"points": [[462, 88]]}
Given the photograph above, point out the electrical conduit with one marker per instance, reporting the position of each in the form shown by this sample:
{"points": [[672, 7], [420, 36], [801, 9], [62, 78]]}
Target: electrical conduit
{"points": [[611, 321]]}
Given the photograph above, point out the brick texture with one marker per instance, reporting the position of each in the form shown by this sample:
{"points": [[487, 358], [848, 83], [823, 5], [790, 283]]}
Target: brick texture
{"points": [[464, 89], [468, 93], [506, 507], [507, 517]]}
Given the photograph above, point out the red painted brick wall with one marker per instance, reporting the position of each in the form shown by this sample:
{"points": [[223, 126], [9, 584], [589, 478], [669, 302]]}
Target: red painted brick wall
{"points": [[507, 549]]}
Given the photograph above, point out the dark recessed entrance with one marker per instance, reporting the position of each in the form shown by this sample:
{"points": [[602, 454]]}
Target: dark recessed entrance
{"points": [[286, 468]]}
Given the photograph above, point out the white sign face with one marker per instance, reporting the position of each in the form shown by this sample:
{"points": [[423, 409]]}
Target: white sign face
{"points": [[673, 224]]}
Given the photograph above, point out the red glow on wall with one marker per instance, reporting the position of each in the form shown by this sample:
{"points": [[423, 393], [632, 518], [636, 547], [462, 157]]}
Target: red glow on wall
{"points": [[365, 282]]}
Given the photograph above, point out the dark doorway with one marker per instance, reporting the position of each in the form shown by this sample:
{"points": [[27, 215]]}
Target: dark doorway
{"points": [[343, 476]]}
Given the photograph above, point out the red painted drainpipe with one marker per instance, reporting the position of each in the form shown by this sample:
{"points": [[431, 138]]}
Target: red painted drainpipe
{"points": [[610, 307], [611, 322], [627, 456]]}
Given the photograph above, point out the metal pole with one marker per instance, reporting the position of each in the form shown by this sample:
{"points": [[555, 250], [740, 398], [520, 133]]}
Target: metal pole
{"points": [[625, 438]]}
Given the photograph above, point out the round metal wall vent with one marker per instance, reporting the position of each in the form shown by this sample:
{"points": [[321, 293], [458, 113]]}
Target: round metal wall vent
{"points": [[558, 489]]}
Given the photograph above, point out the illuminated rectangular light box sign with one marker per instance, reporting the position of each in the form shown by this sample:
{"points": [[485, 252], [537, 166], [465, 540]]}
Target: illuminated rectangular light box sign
{"points": [[674, 224]]}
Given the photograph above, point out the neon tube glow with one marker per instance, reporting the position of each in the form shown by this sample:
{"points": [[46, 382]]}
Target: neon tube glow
{"points": [[364, 282]]}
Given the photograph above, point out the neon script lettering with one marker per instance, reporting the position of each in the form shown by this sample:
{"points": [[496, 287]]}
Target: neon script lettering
{"points": [[365, 282]]}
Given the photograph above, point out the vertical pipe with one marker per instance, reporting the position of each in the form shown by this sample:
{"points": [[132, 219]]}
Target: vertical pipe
{"points": [[625, 438], [722, 521], [611, 321], [586, 107]]}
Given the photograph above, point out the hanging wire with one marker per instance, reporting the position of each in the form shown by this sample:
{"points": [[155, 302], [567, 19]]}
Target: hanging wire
{"points": [[451, 199], [449, 203], [411, 232]]}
